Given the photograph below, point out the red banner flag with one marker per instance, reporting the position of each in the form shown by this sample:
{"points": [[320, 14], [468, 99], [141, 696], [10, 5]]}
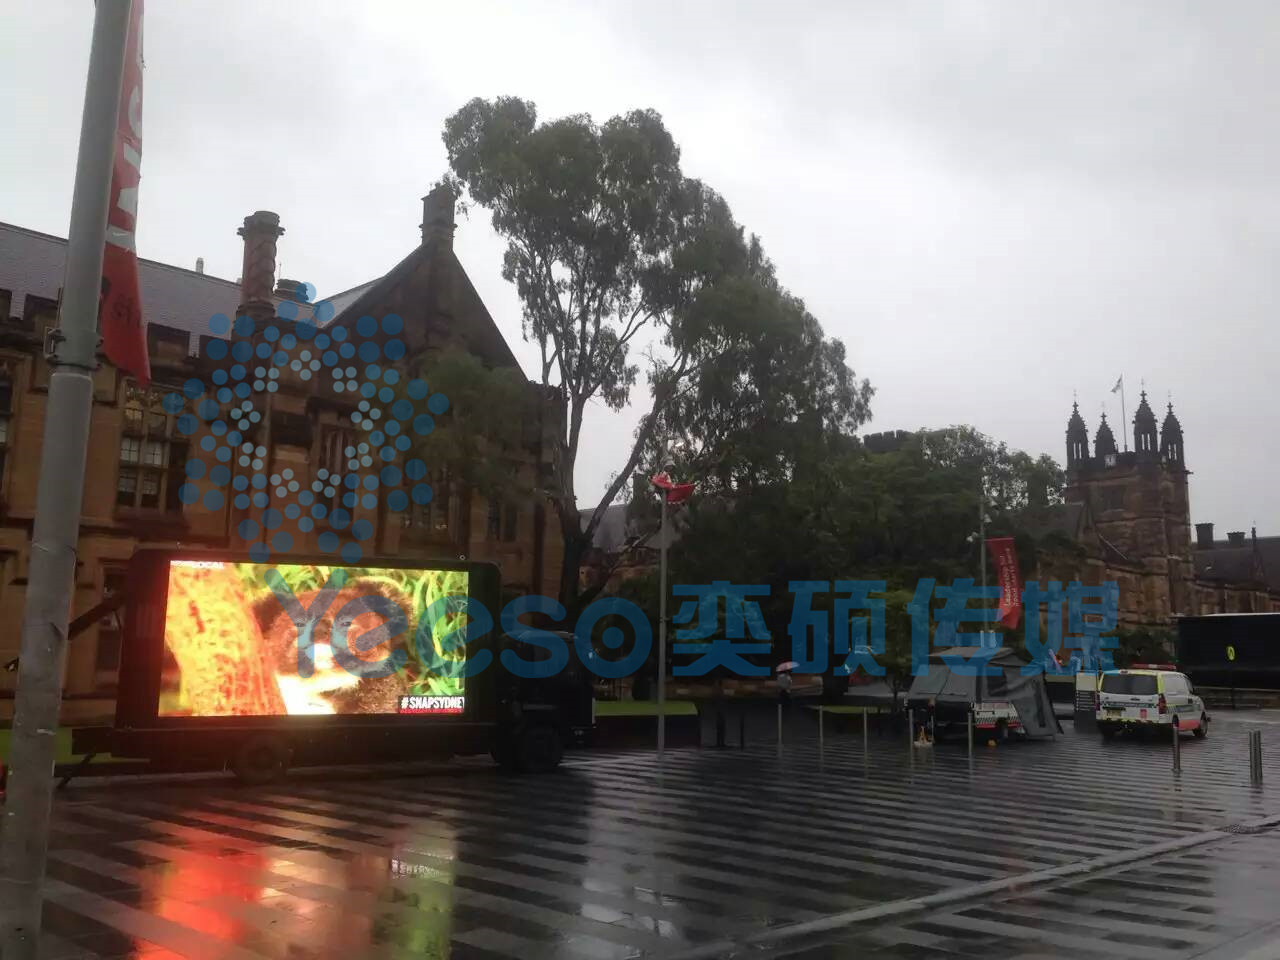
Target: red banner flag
{"points": [[1008, 578], [124, 336], [676, 492]]}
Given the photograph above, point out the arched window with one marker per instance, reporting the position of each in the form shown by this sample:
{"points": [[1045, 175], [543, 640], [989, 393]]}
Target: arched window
{"points": [[153, 453]]}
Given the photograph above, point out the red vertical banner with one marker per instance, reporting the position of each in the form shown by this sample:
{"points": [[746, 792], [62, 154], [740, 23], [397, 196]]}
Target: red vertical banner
{"points": [[1008, 578], [124, 336]]}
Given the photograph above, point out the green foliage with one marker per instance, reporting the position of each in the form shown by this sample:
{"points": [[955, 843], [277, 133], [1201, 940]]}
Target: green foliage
{"points": [[849, 513], [479, 440], [896, 659], [606, 240], [1143, 645]]}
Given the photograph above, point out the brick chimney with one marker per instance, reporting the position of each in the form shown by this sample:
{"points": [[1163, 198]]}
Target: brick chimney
{"points": [[258, 276], [437, 217], [1236, 538], [1204, 536], [290, 290]]}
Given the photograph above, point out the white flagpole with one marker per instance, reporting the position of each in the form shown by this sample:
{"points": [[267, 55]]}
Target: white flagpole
{"points": [[662, 633], [1124, 418], [56, 530]]}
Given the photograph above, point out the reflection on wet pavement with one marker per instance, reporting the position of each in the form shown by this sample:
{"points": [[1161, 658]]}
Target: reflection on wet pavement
{"points": [[607, 859]]}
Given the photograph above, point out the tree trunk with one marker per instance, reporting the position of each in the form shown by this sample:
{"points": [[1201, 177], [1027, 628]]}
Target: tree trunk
{"points": [[464, 522], [575, 549]]}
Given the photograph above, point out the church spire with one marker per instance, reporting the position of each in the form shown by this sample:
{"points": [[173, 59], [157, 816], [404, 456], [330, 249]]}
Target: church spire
{"points": [[1171, 439], [1077, 438], [1144, 429], [1105, 441]]}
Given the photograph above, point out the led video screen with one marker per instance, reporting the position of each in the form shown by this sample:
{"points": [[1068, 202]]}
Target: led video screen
{"points": [[266, 639]]}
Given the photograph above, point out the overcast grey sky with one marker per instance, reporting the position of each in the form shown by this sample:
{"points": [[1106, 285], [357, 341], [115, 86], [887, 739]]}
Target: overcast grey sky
{"points": [[992, 204]]}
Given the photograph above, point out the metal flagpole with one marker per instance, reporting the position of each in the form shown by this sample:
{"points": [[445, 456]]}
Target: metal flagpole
{"points": [[1124, 419], [57, 521], [662, 634]]}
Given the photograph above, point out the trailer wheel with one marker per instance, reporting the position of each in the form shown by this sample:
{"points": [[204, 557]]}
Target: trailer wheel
{"points": [[260, 760], [503, 751], [539, 749]]}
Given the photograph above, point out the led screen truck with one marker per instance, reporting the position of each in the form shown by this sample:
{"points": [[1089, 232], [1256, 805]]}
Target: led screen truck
{"points": [[257, 666]]}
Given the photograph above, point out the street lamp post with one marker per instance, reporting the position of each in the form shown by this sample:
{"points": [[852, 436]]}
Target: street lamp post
{"points": [[980, 535], [982, 540]]}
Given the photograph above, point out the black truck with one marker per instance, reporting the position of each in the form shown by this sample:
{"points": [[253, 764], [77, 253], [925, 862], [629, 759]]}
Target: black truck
{"points": [[256, 666]]}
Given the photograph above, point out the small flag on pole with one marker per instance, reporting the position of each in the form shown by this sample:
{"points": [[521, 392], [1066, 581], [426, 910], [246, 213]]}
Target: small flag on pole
{"points": [[1119, 384], [676, 492]]}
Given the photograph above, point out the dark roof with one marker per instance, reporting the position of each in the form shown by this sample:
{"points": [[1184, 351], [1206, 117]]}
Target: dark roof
{"points": [[1246, 562], [484, 338], [1068, 520], [614, 529], [341, 301], [611, 532], [1000, 656], [1064, 519], [33, 263]]}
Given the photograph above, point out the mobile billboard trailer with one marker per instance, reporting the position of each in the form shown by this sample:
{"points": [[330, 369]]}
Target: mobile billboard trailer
{"points": [[1236, 651], [257, 666]]}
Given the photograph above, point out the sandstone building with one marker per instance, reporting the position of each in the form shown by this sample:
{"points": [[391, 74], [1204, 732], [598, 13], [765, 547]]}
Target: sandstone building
{"points": [[1128, 515], [137, 455]]}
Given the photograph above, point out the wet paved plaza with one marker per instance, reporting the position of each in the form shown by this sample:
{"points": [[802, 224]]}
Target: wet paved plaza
{"points": [[717, 852]]}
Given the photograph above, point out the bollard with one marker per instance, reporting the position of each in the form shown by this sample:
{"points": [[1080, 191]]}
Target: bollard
{"points": [[911, 730], [864, 732], [969, 731], [1255, 757], [742, 731], [822, 712], [1177, 749]]}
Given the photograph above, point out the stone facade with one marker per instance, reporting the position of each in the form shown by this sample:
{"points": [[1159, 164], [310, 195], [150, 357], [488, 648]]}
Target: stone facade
{"points": [[1127, 514], [136, 456]]}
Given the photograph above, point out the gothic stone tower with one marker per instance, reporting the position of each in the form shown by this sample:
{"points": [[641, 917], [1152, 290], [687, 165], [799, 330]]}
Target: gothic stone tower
{"points": [[1138, 506]]}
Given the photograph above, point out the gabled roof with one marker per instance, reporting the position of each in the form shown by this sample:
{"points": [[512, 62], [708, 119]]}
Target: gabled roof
{"points": [[1065, 519], [484, 337], [341, 301]]}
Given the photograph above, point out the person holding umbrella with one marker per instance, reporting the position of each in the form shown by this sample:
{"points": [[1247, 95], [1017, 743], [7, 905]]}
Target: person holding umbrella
{"points": [[784, 681], [784, 694]]}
